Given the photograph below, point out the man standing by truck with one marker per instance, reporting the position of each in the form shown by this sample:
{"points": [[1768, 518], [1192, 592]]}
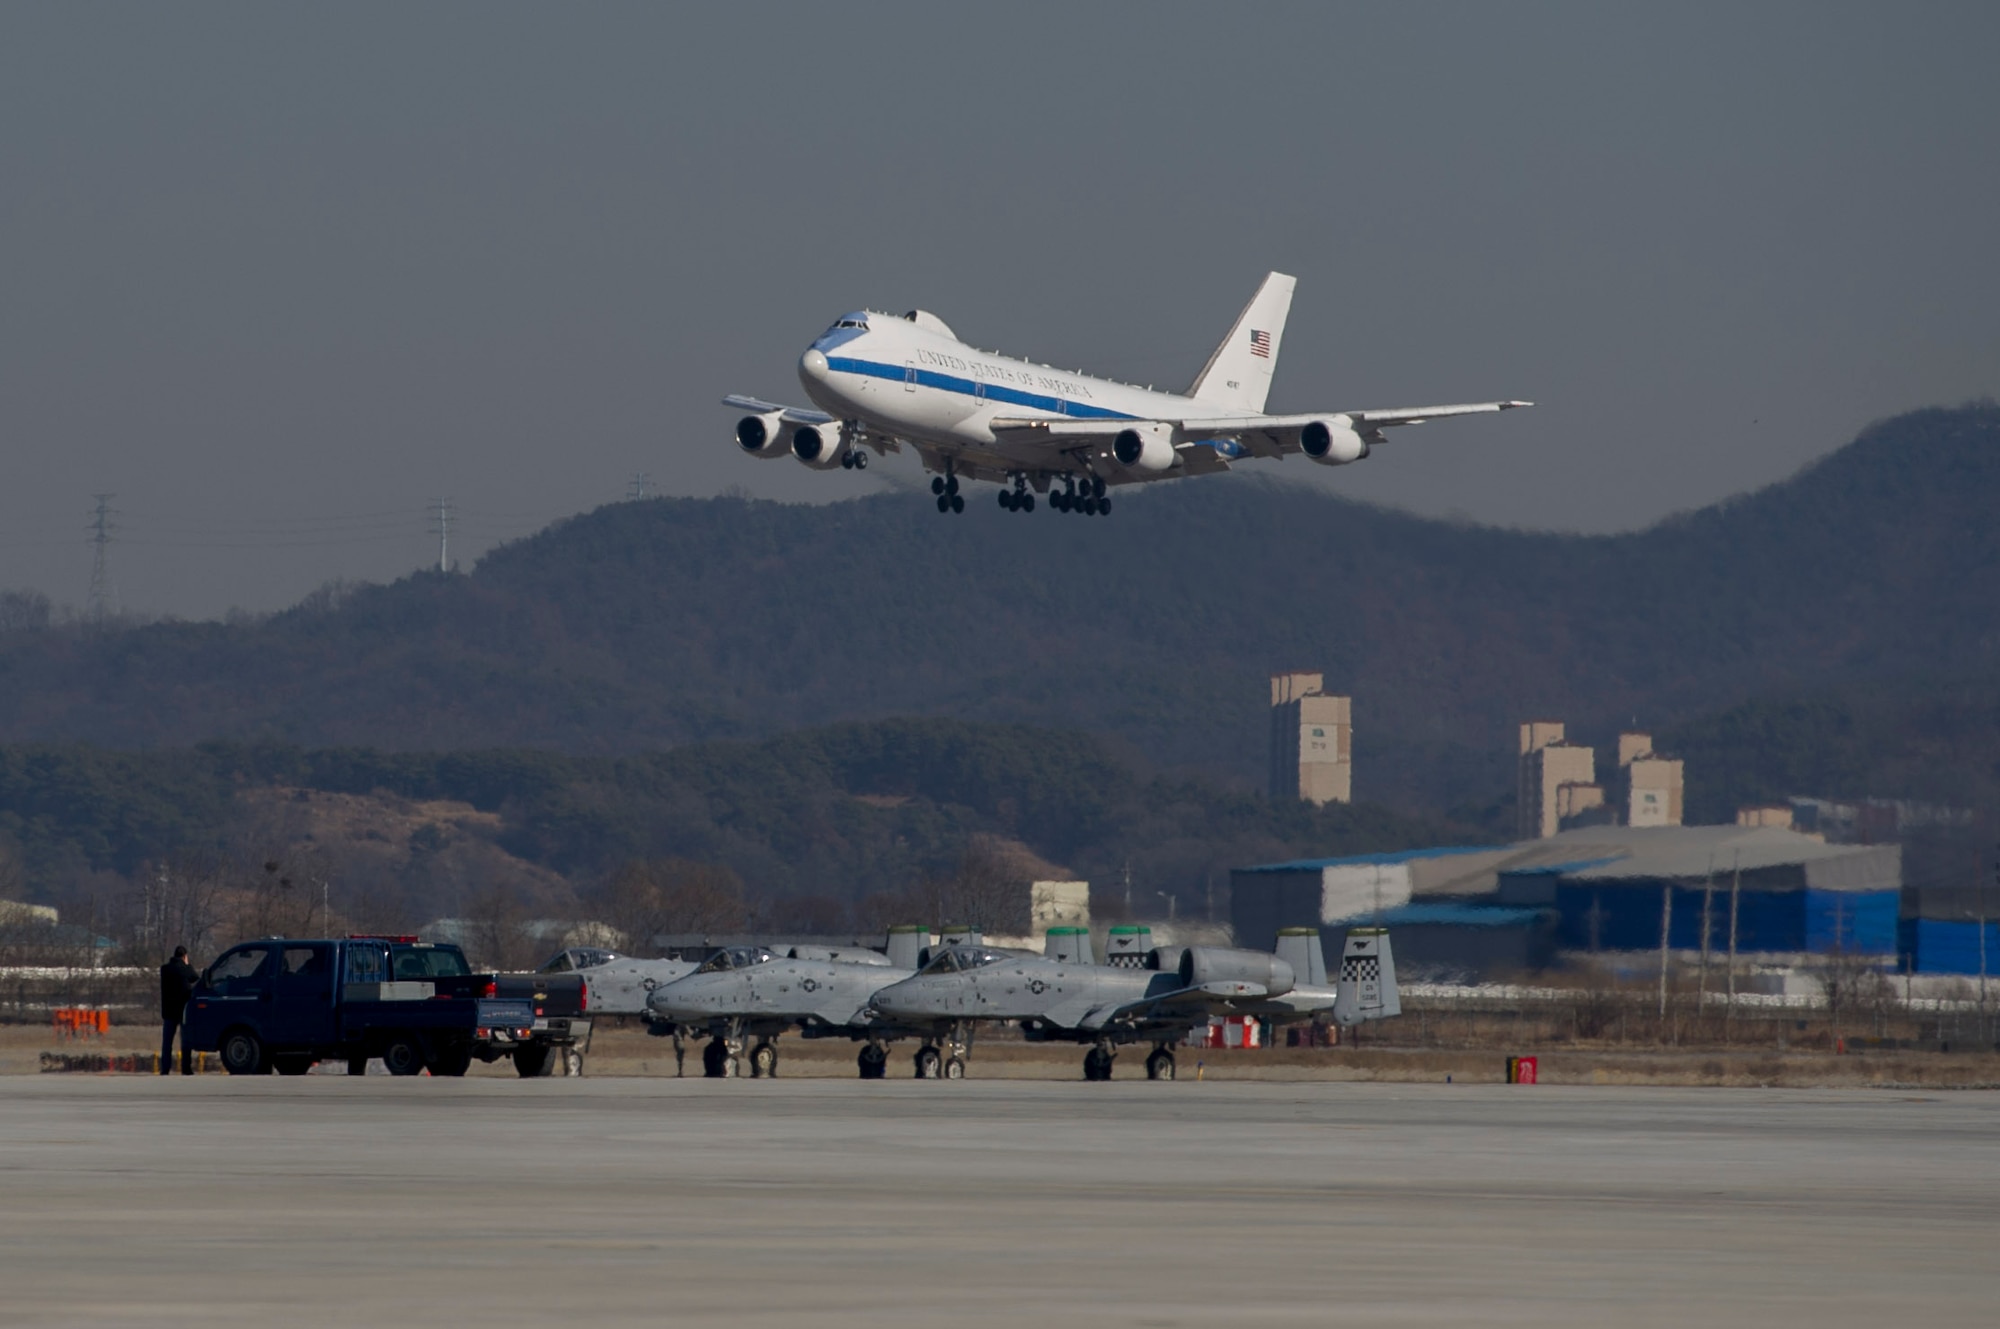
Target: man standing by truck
{"points": [[177, 980]]}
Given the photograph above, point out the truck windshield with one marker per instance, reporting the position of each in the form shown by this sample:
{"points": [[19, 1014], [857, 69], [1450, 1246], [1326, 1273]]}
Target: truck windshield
{"points": [[422, 962]]}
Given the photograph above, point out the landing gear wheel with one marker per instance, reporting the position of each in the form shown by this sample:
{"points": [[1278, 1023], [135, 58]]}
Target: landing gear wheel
{"points": [[954, 1068], [573, 1062], [1097, 1064], [243, 1054], [357, 1065], [874, 1063], [404, 1056], [928, 1063], [764, 1060], [1027, 503], [291, 1065], [1006, 501], [937, 484], [1090, 507], [715, 1059], [1160, 1066], [860, 460], [944, 502], [1059, 501], [1097, 486], [1104, 507], [531, 1062], [958, 502]]}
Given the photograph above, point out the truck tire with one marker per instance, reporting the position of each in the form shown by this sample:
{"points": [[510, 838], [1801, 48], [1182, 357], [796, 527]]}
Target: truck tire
{"points": [[404, 1055], [291, 1063], [532, 1062], [243, 1053], [452, 1061]]}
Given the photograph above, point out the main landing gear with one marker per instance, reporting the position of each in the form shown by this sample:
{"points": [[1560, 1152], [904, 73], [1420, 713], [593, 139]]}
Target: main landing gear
{"points": [[874, 1060], [855, 460], [1160, 1065], [1097, 1062], [722, 1058], [946, 488], [764, 1060], [1087, 497], [1017, 499]]}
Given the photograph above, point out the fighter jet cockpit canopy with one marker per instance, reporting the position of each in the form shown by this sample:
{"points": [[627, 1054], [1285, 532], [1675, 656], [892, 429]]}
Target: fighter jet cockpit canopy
{"points": [[577, 957], [954, 959], [735, 957]]}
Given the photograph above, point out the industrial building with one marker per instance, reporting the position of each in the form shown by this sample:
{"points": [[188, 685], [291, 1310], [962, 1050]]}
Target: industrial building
{"points": [[1496, 908], [1557, 787], [1312, 741]]}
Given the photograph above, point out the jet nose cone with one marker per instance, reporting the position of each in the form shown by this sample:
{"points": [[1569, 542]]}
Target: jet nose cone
{"points": [[812, 366], [892, 1000]]}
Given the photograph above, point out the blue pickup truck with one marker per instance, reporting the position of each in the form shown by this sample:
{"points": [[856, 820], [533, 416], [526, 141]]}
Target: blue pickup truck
{"points": [[283, 1003]]}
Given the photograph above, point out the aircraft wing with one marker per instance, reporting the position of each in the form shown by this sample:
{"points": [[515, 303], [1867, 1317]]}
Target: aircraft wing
{"points": [[1258, 435], [1195, 1002], [793, 414]]}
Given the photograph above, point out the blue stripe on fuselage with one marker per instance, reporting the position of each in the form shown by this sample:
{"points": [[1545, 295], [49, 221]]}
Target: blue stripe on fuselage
{"points": [[966, 387]]}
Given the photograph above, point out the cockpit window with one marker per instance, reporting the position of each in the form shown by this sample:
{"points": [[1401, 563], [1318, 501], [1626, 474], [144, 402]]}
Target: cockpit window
{"points": [[854, 320], [734, 957], [952, 959], [559, 965]]}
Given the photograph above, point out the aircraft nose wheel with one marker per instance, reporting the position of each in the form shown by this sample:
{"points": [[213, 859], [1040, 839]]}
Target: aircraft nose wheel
{"points": [[764, 1060], [1160, 1066], [928, 1063], [954, 1068]]}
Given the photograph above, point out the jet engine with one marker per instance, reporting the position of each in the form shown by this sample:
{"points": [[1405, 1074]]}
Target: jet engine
{"points": [[1144, 448], [819, 446], [763, 435], [1332, 441], [1217, 964]]}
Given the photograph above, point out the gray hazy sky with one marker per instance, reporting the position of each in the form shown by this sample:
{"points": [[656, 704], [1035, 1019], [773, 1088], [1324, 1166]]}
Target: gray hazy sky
{"points": [[276, 275]]}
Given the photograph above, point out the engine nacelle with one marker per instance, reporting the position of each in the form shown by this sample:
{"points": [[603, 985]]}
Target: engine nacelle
{"points": [[1217, 964], [1144, 448], [1332, 441], [819, 446], [763, 435]]}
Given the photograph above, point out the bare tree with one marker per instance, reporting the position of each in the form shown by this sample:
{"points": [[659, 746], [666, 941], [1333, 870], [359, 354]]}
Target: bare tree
{"points": [[650, 897]]}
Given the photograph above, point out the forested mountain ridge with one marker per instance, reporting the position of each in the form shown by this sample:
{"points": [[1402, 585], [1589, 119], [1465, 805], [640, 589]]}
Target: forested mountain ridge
{"points": [[650, 624]]}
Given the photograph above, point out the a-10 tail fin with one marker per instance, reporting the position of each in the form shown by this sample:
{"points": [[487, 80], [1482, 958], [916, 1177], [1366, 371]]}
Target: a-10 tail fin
{"points": [[1069, 945], [907, 942], [1300, 948], [1366, 987]]}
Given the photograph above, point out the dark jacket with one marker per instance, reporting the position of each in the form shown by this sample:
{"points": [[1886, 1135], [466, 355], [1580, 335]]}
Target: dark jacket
{"points": [[177, 980]]}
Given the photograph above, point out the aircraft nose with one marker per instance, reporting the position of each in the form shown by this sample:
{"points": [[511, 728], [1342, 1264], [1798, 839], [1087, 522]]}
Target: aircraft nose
{"points": [[892, 1000], [812, 365]]}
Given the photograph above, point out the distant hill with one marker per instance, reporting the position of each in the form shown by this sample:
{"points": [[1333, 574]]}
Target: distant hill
{"points": [[652, 624], [813, 822]]}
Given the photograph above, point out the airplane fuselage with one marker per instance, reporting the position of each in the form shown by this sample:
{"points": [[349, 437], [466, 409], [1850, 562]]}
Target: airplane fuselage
{"points": [[902, 379]]}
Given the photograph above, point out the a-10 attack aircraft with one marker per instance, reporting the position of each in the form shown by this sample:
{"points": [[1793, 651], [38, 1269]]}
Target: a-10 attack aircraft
{"points": [[749, 993], [1058, 999], [881, 380]]}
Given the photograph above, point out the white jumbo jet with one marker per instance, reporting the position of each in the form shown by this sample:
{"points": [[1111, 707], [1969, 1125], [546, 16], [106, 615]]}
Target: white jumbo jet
{"points": [[882, 380]]}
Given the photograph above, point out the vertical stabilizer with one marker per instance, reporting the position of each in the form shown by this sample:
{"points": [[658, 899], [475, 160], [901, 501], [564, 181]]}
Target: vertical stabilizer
{"points": [[1069, 945], [907, 942], [1238, 375], [1300, 948], [1366, 989]]}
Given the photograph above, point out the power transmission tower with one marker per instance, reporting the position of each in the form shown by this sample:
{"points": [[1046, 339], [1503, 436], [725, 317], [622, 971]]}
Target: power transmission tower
{"points": [[103, 594], [442, 512], [639, 487]]}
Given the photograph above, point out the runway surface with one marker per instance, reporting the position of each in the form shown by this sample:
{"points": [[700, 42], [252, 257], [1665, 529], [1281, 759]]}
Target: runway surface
{"points": [[828, 1203]]}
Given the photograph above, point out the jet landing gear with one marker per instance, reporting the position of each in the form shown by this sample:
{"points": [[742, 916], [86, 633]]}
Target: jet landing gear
{"points": [[722, 1058], [1160, 1065], [1097, 1062], [873, 1061], [1086, 497], [1017, 499], [854, 460], [946, 488], [947, 1063], [764, 1060]]}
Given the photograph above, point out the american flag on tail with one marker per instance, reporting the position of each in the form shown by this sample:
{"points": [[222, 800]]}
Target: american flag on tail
{"points": [[1260, 343]]}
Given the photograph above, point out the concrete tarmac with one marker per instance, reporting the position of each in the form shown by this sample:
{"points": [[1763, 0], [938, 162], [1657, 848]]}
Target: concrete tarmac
{"points": [[820, 1203]]}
